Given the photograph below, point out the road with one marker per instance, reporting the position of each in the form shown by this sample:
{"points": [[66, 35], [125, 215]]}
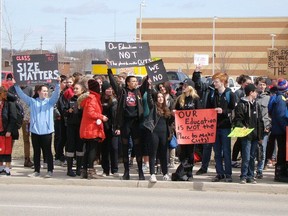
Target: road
{"points": [[72, 200]]}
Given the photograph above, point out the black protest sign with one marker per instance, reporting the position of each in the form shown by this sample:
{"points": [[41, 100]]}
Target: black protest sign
{"points": [[157, 72], [123, 55], [35, 69]]}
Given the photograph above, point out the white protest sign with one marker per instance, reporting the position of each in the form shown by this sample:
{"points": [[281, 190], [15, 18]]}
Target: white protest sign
{"points": [[201, 59]]}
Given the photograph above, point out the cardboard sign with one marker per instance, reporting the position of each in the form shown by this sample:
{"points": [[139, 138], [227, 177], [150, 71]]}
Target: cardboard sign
{"points": [[35, 69], [157, 72], [278, 60], [196, 126], [122, 54], [201, 59]]}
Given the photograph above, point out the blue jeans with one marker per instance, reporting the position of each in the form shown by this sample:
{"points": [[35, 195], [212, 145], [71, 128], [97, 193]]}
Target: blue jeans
{"points": [[260, 165], [248, 158], [222, 150], [206, 155]]}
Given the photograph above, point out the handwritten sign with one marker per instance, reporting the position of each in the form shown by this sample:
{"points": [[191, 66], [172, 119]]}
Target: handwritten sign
{"points": [[240, 132], [278, 60], [201, 59], [122, 54], [156, 72], [35, 69], [196, 126]]}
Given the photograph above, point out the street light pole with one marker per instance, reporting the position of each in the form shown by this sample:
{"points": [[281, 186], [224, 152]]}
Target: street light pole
{"points": [[273, 39], [142, 4], [213, 45]]}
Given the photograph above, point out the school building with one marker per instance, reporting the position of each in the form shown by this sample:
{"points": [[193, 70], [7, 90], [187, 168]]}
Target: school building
{"points": [[241, 44]]}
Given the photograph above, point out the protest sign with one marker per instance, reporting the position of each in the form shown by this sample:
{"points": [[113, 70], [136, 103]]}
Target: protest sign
{"points": [[240, 132], [156, 72], [122, 54], [35, 69], [278, 60], [196, 126], [201, 59]]}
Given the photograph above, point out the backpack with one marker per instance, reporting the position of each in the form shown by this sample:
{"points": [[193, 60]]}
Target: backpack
{"points": [[227, 95], [20, 114]]}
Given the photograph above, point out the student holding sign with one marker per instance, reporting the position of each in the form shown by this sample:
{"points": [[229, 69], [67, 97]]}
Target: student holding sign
{"points": [[188, 100], [129, 116], [248, 115], [223, 100], [157, 123], [41, 124]]}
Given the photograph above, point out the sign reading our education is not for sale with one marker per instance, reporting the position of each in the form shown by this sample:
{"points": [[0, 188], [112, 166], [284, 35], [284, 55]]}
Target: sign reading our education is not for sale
{"points": [[196, 126], [35, 69]]}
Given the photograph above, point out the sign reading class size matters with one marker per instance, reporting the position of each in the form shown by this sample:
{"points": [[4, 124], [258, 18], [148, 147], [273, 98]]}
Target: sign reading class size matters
{"points": [[35, 69], [122, 54], [196, 126]]}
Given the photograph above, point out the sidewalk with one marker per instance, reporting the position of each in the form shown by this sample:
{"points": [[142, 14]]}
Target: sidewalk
{"points": [[19, 175]]}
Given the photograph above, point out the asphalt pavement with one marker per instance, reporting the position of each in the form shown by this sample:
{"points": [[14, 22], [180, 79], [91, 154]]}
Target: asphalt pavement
{"points": [[20, 175]]}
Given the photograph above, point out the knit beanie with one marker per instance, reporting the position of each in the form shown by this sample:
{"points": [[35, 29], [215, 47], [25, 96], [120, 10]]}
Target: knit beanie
{"points": [[93, 85], [282, 85], [105, 85], [249, 88]]}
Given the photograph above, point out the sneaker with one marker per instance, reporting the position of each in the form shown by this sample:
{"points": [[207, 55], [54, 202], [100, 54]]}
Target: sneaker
{"points": [[201, 171], [218, 178], [49, 174], [259, 175], [58, 163], [34, 174], [7, 172], [64, 164], [44, 165], [235, 164], [28, 163], [228, 178], [251, 181], [153, 178], [145, 168], [166, 177], [242, 181], [116, 174]]}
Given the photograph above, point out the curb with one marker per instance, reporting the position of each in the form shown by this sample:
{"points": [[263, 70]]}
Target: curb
{"points": [[198, 183]]}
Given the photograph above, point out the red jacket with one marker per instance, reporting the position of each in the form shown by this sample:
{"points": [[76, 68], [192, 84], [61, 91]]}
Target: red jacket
{"points": [[92, 111]]}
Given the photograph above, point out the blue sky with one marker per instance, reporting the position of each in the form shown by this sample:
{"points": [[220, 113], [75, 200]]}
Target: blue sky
{"points": [[92, 22]]}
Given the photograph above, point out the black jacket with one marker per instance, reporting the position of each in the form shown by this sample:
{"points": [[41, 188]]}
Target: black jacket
{"points": [[122, 93], [248, 115], [9, 117], [151, 121], [73, 118], [215, 100]]}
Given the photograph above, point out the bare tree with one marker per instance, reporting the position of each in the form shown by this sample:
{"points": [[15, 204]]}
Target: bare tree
{"points": [[188, 61], [224, 58], [249, 67], [9, 33]]}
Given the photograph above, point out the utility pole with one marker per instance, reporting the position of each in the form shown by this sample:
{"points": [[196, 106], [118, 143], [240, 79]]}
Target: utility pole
{"points": [[41, 44], [65, 36]]}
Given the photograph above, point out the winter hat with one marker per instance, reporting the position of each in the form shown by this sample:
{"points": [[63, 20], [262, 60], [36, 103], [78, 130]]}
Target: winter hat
{"points": [[249, 88], [105, 86], [282, 85], [93, 85], [189, 82]]}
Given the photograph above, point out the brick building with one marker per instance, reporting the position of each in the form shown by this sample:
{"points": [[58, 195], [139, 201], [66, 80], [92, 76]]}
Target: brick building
{"points": [[241, 44]]}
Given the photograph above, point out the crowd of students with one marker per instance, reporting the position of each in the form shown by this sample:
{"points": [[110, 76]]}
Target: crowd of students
{"points": [[93, 119]]}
